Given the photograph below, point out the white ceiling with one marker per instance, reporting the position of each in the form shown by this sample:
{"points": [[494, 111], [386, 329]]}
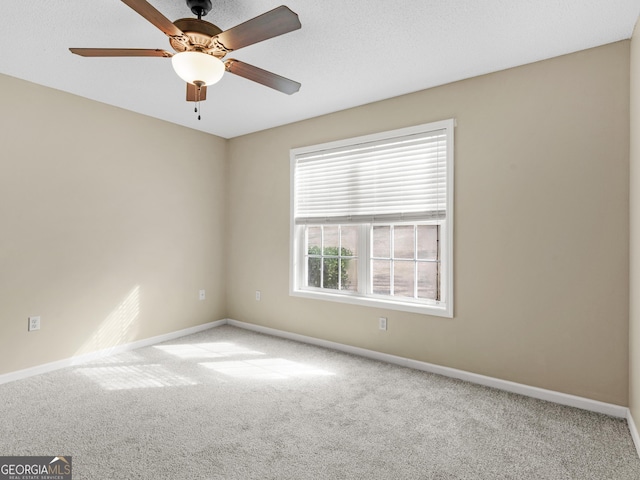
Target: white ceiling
{"points": [[347, 53]]}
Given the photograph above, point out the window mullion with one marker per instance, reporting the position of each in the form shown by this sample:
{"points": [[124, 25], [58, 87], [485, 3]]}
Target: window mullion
{"points": [[391, 261], [364, 260], [439, 284], [339, 257], [303, 267], [322, 256], [302, 254], [415, 261]]}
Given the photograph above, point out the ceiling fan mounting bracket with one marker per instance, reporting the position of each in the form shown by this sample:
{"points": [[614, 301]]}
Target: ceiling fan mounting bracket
{"points": [[199, 7]]}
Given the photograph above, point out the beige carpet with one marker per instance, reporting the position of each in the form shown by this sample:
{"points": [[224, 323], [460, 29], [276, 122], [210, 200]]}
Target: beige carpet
{"points": [[232, 404]]}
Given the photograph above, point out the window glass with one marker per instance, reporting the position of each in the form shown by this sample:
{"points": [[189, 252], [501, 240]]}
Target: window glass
{"points": [[427, 242], [349, 240], [428, 280], [382, 242], [381, 277], [403, 241]]}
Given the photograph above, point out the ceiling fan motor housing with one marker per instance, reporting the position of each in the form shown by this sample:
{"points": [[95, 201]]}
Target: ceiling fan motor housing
{"points": [[199, 7]]}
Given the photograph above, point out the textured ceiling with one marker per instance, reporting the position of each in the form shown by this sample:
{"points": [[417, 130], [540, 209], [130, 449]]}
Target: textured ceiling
{"points": [[347, 53]]}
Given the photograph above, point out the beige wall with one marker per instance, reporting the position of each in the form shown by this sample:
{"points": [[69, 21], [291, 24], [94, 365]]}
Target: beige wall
{"points": [[634, 287], [541, 227], [110, 224], [112, 221]]}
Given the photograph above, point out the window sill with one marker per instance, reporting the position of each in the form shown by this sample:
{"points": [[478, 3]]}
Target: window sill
{"points": [[424, 309]]}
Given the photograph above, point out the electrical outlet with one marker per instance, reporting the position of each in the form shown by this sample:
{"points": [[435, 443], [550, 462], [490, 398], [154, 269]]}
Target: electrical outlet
{"points": [[382, 323], [202, 295], [34, 324], [257, 295]]}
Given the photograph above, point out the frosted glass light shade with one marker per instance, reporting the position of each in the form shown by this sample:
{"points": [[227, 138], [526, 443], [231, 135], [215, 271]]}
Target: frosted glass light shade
{"points": [[197, 67]]}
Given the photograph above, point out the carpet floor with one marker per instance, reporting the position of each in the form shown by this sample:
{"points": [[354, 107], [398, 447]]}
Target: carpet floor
{"points": [[228, 403]]}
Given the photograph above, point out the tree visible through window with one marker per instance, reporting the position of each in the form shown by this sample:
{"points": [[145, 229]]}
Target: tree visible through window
{"points": [[331, 261]]}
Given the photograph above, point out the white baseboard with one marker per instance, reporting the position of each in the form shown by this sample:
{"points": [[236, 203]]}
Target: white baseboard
{"points": [[634, 432], [77, 360], [526, 390]]}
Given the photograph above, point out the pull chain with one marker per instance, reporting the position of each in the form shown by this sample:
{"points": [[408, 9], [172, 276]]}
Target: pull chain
{"points": [[198, 108], [198, 97]]}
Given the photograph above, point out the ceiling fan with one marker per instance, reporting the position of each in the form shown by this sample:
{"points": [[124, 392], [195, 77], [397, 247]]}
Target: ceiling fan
{"points": [[200, 46]]}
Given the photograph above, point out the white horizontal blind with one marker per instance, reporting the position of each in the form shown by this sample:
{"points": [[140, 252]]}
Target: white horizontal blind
{"points": [[395, 179]]}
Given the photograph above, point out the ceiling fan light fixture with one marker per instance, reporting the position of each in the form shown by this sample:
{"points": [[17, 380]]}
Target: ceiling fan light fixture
{"points": [[198, 67]]}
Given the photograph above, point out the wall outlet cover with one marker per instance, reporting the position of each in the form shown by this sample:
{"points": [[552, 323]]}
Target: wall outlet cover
{"points": [[34, 324]]}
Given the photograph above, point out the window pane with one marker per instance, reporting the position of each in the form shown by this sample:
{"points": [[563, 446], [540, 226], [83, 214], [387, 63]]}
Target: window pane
{"points": [[403, 241], [349, 238], [332, 259], [349, 279], [403, 278], [313, 275], [428, 280], [331, 240], [330, 274], [428, 242], [314, 240], [381, 243], [381, 273]]}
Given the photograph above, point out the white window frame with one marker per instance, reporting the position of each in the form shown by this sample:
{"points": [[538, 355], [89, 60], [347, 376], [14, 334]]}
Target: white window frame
{"points": [[443, 308]]}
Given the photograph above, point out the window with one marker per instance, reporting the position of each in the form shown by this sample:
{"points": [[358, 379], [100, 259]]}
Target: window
{"points": [[372, 220]]}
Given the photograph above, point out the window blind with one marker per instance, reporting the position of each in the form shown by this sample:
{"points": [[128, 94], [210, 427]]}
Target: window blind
{"points": [[395, 179]]}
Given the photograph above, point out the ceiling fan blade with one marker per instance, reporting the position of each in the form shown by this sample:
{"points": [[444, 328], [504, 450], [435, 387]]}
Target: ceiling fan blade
{"points": [[150, 13], [192, 93], [268, 25], [120, 52], [261, 76]]}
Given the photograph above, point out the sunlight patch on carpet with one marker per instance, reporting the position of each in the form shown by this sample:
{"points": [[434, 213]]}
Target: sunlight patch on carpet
{"points": [[135, 376], [269, 368], [206, 350]]}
